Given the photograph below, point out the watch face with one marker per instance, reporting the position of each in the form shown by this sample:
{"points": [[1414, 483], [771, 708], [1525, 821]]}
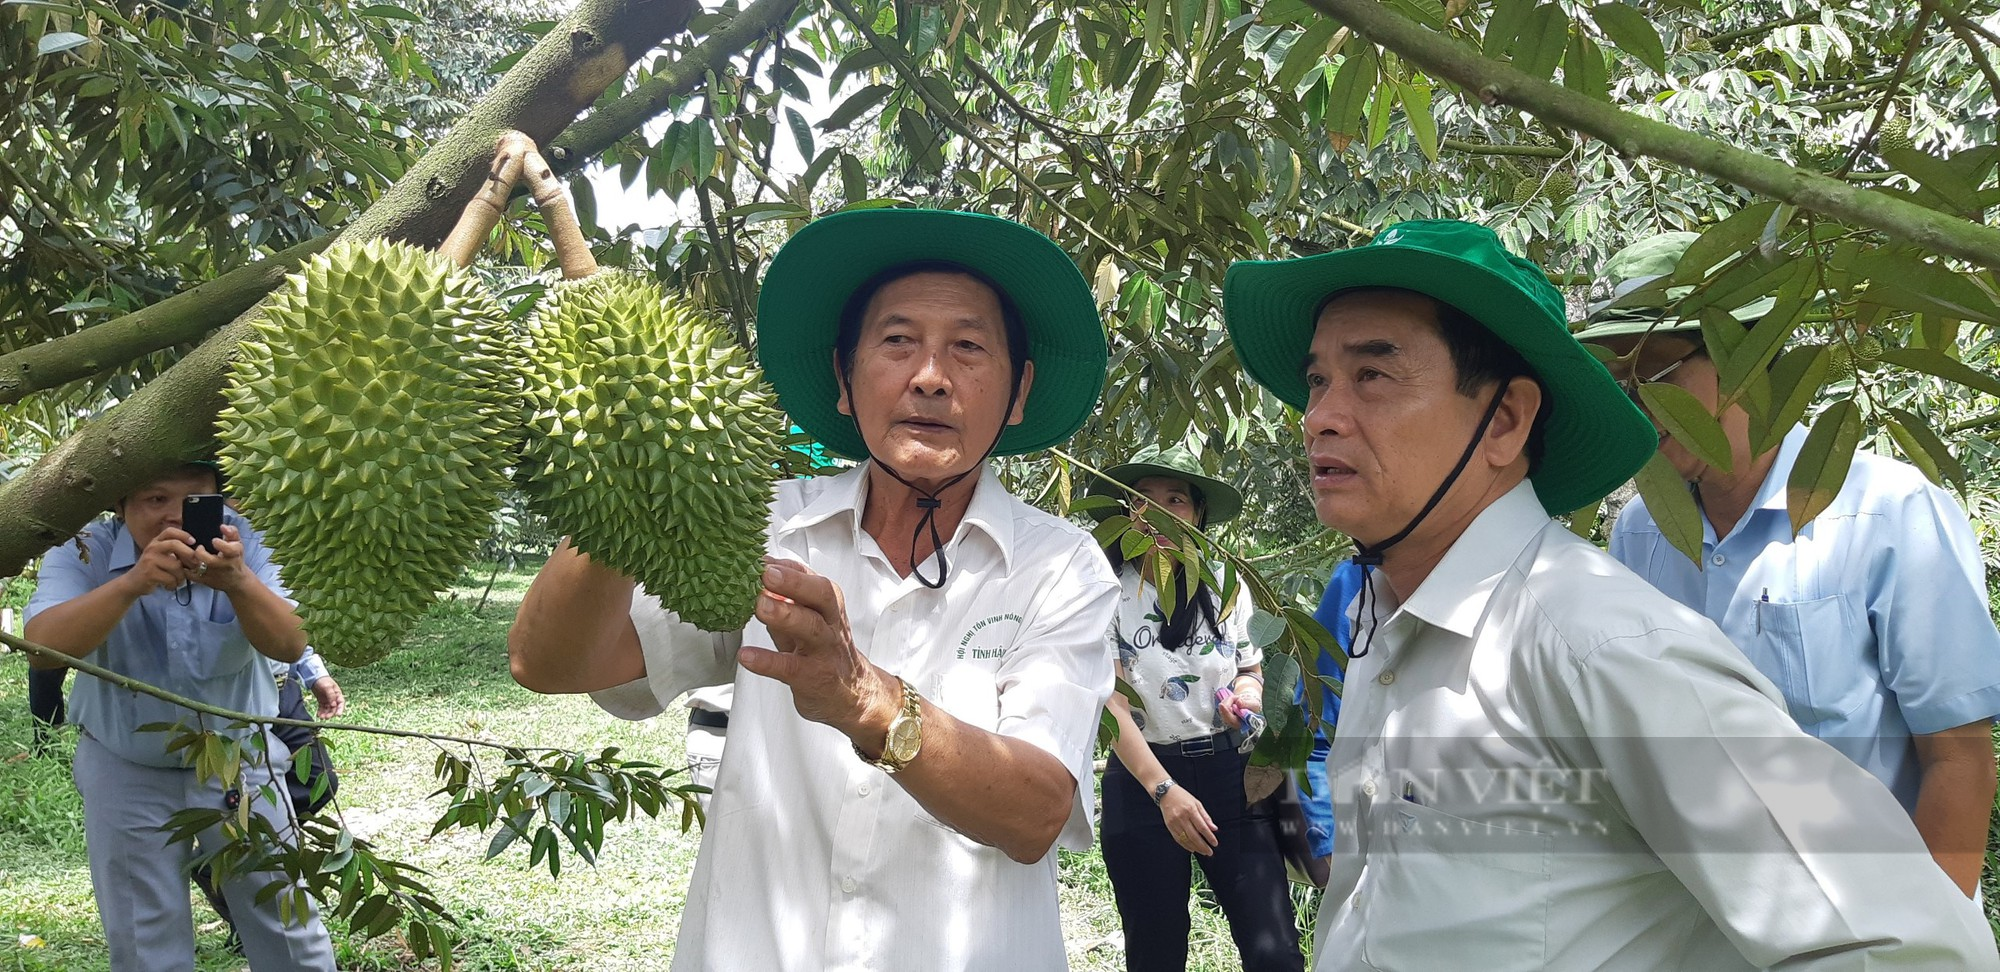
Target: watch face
{"points": [[905, 736]]}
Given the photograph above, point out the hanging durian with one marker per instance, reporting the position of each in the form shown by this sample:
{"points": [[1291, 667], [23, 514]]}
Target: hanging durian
{"points": [[653, 443], [653, 440], [371, 424], [368, 435]]}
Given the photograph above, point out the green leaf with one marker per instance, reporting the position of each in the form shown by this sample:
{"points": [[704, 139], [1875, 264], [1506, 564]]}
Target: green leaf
{"points": [[1543, 39], [1423, 123], [1721, 333], [1265, 628], [388, 11], [1351, 87], [1062, 75], [1688, 421], [1155, 24], [856, 105], [1932, 362], [1935, 175], [1795, 381], [1584, 70], [1763, 341], [1632, 33], [1145, 88], [801, 132], [1722, 241], [1922, 445], [1822, 465], [853, 179], [1672, 506], [1509, 16], [1306, 53], [59, 41]]}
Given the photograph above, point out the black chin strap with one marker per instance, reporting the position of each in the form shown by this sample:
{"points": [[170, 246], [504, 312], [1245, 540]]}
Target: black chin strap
{"points": [[928, 501], [1368, 556]]}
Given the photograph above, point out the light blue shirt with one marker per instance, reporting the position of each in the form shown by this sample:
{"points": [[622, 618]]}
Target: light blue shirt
{"points": [[197, 650], [1872, 621]]}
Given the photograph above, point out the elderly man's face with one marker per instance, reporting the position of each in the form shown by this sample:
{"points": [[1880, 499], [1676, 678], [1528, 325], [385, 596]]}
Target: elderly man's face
{"points": [[930, 375], [157, 505], [1384, 420]]}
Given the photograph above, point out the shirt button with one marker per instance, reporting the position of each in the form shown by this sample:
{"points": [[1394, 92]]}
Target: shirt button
{"points": [[863, 789], [1388, 677], [847, 884], [1368, 788], [1718, 560]]}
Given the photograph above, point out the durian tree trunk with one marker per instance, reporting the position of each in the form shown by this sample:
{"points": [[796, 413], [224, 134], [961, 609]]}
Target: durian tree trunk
{"points": [[171, 419]]}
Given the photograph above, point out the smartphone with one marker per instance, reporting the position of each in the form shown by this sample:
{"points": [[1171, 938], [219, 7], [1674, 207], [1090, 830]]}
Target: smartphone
{"points": [[201, 517]]}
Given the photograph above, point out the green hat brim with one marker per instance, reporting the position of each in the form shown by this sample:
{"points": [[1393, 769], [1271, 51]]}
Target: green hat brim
{"points": [[1221, 502], [811, 278], [1595, 440]]}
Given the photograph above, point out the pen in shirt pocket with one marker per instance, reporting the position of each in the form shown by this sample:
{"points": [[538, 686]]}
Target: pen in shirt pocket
{"points": [[1766, 599], [1410, 793]]}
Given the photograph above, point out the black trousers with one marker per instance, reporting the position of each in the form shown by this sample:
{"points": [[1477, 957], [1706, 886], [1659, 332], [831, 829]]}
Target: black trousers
{"points": [[45, 699], [1150, 873]]}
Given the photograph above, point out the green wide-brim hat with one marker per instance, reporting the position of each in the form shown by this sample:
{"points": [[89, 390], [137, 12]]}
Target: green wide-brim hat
{"points": [[812, 277], [1220, 501], [1595, 440]]}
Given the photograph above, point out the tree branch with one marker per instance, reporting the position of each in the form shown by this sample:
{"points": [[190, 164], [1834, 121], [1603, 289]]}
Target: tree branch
{"points": [[1960, 26], [1494, 148], [184, 317], [593, 135], [172, 419], [131, 684], [1727, 38], [1630, 134]]}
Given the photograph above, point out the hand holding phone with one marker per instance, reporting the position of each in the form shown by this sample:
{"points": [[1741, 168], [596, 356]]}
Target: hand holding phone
{"points": [[201, 517]]}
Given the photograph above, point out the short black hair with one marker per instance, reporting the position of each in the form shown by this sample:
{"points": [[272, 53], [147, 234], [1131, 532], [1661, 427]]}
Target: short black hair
{"points": [[849, 335], [1478, 356]]}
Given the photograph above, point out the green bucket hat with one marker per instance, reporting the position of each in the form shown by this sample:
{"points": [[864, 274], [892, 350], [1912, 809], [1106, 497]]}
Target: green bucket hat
{"points": [[1220, 501], [812, 277], [1595, 440], [1639, 296]]}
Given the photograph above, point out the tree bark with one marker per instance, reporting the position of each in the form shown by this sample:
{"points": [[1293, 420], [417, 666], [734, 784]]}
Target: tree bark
{"points": [[1496, 83], [172, 419]]}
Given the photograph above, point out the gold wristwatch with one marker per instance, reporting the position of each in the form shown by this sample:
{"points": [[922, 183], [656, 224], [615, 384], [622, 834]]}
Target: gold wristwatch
{"points": [[906, 734]]}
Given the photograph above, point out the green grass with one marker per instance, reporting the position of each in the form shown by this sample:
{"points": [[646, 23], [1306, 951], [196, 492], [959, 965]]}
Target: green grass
{"points": [[450, 678]]}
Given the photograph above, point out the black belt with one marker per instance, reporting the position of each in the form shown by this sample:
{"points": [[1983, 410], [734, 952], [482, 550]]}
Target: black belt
{"points": [[1199, 746], [708, 717]]}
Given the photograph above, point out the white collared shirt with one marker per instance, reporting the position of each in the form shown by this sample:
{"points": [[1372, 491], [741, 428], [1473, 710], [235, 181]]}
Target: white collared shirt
{"points": [[1544, 763], [812, 859]]}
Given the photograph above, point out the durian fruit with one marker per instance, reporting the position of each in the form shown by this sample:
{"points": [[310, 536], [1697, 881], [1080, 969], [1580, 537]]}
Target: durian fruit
{"points": [[1895, 135], [1868, 348], [368, 435], [1560, 187], [1839, 364], [653, 442], [1525, 189]]}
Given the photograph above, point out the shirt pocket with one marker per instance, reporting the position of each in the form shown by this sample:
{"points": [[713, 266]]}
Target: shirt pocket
{"points": [[213, 652], [1439, 884], [1815, 652]]}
